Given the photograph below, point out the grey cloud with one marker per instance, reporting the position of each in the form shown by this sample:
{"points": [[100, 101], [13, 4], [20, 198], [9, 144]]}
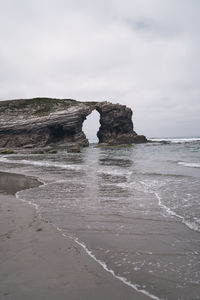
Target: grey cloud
{"points": [[142, 53]]}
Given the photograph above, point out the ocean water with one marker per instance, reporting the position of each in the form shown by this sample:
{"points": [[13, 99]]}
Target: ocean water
{"points": [[135, 210]]}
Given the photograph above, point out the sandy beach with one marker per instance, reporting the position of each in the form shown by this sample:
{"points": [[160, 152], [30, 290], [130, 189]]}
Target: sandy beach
{"points": [[37, 262]]}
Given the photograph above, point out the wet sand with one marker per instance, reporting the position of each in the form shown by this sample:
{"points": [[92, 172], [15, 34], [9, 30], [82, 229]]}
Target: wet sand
{"points": [[36, 262]]}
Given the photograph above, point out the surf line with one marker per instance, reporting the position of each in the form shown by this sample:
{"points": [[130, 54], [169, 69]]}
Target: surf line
{"points": [[190, 225], [136, 287]]}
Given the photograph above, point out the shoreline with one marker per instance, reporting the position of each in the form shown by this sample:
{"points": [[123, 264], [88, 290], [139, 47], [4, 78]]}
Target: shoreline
{"points": [[128, 224], [37, 262]]}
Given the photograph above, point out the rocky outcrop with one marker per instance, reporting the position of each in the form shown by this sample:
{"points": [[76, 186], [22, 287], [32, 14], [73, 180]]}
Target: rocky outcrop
{"points": [[40, 122], [116, 125]]}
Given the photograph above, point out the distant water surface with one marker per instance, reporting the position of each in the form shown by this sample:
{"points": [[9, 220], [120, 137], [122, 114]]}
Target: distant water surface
{"points": [[136, 210]]}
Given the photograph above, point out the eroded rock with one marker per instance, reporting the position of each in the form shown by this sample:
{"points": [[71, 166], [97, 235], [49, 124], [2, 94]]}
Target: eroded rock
{"points": [[41, 122]]}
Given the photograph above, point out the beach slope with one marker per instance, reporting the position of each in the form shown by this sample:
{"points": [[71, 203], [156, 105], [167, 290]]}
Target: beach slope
{"points": [[37, 262]]}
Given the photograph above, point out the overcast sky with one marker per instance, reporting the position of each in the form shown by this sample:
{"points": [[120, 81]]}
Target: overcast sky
{"points": [[141, 53]]}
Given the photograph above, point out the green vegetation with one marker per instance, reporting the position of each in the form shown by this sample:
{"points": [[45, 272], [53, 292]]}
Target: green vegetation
{"points": [[75, 149], [7, 151], [51, 151], [90, 103], [38, 152], [36, 106]]}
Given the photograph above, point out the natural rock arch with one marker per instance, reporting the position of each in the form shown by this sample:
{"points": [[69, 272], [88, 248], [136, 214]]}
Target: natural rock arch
{"points": [[116, 126], [40, 122]]}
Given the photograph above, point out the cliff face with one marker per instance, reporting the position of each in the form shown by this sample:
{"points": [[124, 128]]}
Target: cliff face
{"points": [[40, 122], [116, 125]]}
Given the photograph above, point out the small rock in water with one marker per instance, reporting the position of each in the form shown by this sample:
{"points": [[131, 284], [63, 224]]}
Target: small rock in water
{"points": [[74, 149], [39, 229]]}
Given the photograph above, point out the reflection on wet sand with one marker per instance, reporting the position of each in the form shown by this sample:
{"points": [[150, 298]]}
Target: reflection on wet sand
{"points": [[12, 183]]}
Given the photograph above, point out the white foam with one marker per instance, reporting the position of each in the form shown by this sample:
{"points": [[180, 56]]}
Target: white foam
{"points": [[114, 172], [36, 206], [191, 165], [167, 209], [136, 287], [3, 159], [145, 185], [177, 140], [41, 163], [191, 225], [148, 186]]}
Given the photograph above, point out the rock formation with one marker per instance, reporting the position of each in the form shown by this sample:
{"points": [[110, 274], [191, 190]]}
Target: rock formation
{"points": [[40, 122]]}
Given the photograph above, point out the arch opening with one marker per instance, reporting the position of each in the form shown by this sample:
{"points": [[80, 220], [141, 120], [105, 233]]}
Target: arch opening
{"points": [[91, 126]]}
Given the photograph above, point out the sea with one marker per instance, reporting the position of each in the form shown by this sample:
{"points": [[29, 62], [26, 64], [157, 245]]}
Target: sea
{"points": [[134, 209]]}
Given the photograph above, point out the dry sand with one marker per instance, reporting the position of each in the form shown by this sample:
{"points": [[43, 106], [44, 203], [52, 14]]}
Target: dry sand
{"points": [[37, 262]]}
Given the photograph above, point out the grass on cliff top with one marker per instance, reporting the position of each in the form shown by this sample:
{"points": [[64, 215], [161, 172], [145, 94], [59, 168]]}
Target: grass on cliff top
{"points": [[90, 103], [36, 106], [39, 106]]}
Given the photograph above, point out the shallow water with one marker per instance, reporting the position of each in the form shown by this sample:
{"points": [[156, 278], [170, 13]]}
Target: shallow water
{"points": [[135, 209]]}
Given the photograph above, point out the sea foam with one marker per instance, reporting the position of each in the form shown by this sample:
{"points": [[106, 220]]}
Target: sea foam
{"points": [[189, 164], [43, 163]]}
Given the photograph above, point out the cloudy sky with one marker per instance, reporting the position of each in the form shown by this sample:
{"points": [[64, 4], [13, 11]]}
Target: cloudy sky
{"points": [[141, 53]]}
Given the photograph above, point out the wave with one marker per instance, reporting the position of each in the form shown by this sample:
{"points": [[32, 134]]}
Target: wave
{"points": [[41, 163], [115, 172], [136, 287], [188, 164], [150, 186], [176, 140], [190, 224]]}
